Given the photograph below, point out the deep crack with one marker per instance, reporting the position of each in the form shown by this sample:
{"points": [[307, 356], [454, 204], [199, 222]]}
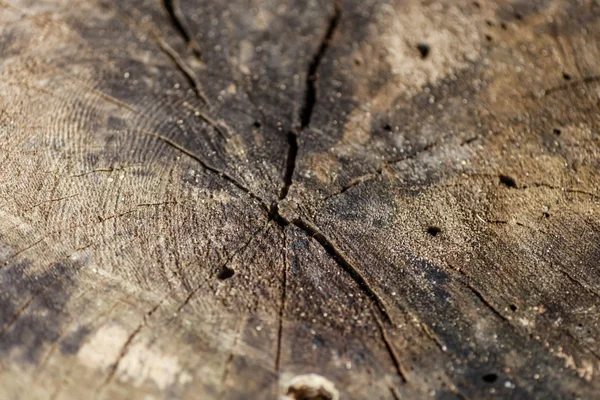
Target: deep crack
{"points": [[337, 256], [224, 175], [290, 164], [282, 307], [390, 348], [306, 111], [187, 72], [334, 253], [311, 78], [174, 13]]}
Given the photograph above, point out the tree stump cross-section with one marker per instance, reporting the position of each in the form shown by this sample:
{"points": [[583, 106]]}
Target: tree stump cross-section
{"points": [[322, 199]]}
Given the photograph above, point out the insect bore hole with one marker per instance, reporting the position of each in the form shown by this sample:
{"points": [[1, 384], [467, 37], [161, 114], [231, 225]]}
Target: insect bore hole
{"points": [[424, 50], [508, 181], [433, 230], [225, 273]]}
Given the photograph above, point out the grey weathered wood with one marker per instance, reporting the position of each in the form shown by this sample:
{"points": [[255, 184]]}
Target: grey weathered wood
{"points": [[207, 199]]}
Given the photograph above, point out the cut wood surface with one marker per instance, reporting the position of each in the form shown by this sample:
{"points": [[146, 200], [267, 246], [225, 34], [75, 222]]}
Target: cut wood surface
{"points": [[320, 199]]}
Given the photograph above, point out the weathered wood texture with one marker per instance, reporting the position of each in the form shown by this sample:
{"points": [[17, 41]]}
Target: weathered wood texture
{"points": [[207, 199]]}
